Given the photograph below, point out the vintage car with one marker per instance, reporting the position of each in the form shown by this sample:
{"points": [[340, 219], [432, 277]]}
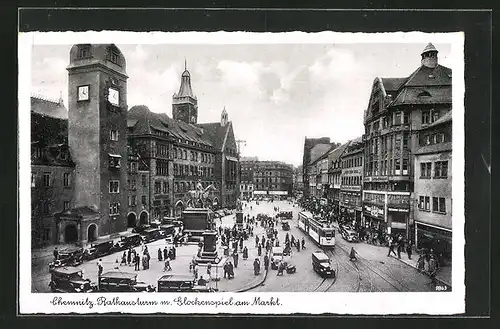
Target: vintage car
{"points": [[141, 228], [116, 281], [68, 257], [98, 249], [277, 255], [285, 226], [348, 233], [180, 283], [321, 264], [69, 279], [285, 215], [152, 234], [130, 240]]}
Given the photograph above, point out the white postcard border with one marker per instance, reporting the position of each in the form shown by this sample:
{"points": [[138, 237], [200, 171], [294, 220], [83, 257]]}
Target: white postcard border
{"points": [[435, 303]]}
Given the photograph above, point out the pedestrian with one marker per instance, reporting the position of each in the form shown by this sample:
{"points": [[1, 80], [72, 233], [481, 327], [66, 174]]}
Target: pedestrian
{"points": [[129, 256], [209, 271], [56, 253], [303, 243], [231, 270], [352, 254], [256, 266], [298, 245], [226, 270], [165, 252], [146, 251], [259, 250], [160, 255], [145, 262], [421, 263], [292, 241], [202, 281], [266, 262], [174, 252], [99, 268], [263, 240], [281, 268], [391, 249], [235, 259], [432, 268], [241, 243], [167, 265], [124, 259], [245, 253], [137, 260], [408, 250], [195, 271]]}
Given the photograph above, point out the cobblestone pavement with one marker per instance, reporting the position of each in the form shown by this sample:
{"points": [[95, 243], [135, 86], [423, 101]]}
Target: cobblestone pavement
{"points": [[372, 272]]}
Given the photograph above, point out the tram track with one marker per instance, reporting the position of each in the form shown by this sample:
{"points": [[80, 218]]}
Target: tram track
{"points": [[399, 286]]}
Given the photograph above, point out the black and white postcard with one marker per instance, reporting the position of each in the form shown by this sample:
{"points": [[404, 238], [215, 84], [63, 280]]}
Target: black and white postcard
{"points": [[238, 172]]}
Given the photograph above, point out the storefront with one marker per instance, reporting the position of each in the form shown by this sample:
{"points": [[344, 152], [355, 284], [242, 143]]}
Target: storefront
{"points": [[374, 217], [398, 213], [433, 237]]}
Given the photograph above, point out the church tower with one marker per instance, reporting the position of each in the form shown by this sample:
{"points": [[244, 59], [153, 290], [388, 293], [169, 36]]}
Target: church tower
{"points": [[184, 103], [97, 132], [430, 56]]}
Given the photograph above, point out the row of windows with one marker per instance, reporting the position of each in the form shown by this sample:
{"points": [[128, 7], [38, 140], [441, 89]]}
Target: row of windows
{"points": [[162, 150], [440, 169], [43, 208], [394, 119], [431, 139], [132, 200], [270, 180], [132, 166], [187, 170], [161, 187], [388, 143], [353, 162], [48, 181], [38, 152], [351, 180], [387, 167], [438, 204], [161, 167], [194, 156]]}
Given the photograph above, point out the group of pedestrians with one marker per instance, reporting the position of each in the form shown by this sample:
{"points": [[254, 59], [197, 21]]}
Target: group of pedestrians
{"points": [[133, 257]]}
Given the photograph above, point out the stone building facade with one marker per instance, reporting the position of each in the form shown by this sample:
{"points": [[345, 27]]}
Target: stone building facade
{"points": [[397, 110], [433, 187], [268, 178], [351, 182]]}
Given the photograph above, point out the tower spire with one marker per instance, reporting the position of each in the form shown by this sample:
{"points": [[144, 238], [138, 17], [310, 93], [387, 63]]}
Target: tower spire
{"points": [[185, 64]]}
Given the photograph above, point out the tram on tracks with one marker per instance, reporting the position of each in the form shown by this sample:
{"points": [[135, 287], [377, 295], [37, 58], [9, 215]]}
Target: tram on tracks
{"points": [[319, 231]]}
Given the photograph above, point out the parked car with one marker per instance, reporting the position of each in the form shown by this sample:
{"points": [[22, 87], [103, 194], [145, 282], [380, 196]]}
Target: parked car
{"points": [[69, 279], [180, 283], [141, 228], [72, 256], [131, 240], [116, 281], [348, 233], [152, 234], [99, 249]]}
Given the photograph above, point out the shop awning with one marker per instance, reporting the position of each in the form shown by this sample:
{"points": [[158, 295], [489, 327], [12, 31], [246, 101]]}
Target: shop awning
{"points": [[114, 155], [230, 158]]}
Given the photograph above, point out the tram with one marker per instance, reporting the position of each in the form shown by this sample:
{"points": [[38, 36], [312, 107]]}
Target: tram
{"points": [[319, 231]]}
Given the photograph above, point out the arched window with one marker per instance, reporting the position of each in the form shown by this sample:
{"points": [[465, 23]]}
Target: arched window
{"points": [[175, 153], [185, 155]]}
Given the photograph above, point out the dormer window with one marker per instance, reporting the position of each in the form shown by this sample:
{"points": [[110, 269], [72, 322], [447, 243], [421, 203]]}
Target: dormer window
{"points": [[113, 56], [424, 94], [63, 155], [114, 161]]}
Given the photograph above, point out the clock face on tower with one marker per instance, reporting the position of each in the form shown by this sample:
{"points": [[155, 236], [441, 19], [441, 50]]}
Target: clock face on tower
{"points": [[114, 96], [83, 93]]}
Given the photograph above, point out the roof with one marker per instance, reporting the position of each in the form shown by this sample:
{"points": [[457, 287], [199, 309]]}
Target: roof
{"points": [[80, 212], [426, 95], [434, 148], [67, 270], [178, 277], [337, 153], [185, 89], [319, 150], [142, 121], [428, 48], [442, 120], [429, 76], [215, 133], [392, 84], [55, 109], [119, 275]]}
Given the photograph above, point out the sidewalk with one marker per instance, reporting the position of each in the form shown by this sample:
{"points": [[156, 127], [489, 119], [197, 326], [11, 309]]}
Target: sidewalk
{"points": [[443, 274]]}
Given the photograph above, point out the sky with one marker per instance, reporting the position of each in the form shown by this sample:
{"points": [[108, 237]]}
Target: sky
{"points": [[275, 94]]}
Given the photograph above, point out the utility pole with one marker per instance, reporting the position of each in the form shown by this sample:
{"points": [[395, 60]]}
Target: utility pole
{"points": [[240, 142]]}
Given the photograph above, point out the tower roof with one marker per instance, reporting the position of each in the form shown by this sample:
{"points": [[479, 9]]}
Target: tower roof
{"points": [[428, 48], [185, 88]]}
